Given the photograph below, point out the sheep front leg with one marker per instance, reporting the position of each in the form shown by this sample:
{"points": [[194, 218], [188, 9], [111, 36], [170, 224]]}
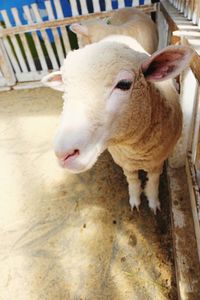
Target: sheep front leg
{"points": [[134, 187], [152, 190]]}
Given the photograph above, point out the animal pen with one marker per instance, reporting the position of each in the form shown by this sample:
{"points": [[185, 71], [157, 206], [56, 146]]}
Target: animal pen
{"points": [[30, 51]]}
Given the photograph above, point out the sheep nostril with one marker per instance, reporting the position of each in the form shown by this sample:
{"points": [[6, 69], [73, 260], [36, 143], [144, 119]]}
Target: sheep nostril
{"points": [[65, 155], [76, 152]]}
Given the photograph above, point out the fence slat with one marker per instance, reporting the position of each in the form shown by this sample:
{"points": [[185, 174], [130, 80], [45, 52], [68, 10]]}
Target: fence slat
{"points": [[35, 39], [84, 9], [121, 3], [108, 5], [163, 30], [74, 8], [176, 3], [182, 6], [45, 38], [147, 2], [11, 55], [57, 40], [96, 6], [179, 5], [6, 68], [186, 8], [196, 14], [14, 40], [63, 29], [24, 40], [2, 81], [196, 126], [190, 9], [137, 2]]}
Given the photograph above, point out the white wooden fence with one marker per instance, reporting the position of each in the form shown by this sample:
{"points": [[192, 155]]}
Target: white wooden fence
{"points": [[189, 8], [26, 51], [184, 24]]}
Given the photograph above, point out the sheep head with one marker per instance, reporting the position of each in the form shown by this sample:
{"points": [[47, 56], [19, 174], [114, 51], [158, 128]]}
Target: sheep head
{"points": [[89, 31], [106, 91]]}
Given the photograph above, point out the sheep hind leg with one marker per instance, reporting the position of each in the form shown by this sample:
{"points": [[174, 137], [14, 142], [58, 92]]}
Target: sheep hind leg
{"points": [[134, 187], [152, 191]]}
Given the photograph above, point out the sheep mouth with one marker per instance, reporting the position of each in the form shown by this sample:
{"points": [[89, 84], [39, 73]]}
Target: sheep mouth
{"points": [[76, 162]]}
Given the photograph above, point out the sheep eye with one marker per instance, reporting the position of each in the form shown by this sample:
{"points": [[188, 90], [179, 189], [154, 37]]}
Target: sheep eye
{"points": [[124, 85]]}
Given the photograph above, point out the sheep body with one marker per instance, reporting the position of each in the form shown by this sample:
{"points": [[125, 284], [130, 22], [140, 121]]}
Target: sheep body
{"points": [[155, 128], [139, 125], [128, 21]]}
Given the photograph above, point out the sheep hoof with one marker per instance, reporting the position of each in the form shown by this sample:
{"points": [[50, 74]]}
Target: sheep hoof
{"points": [[134, 203], [154, 206]]}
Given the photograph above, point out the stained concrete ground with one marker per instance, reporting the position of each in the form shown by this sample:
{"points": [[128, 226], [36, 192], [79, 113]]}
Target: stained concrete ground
{"points": [[65, 236]]}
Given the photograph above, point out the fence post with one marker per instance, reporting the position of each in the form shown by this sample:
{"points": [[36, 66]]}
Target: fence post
{"points": [[5, 66]]}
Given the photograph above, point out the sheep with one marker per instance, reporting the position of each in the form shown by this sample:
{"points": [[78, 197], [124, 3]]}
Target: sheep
{"points": [[123, 100], [127, 21]]}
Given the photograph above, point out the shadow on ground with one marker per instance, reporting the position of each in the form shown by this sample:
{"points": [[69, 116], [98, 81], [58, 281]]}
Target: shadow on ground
{"points": [[66, 236]]}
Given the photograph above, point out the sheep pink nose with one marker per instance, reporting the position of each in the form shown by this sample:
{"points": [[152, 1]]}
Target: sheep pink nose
{"points": [[63, 156]]}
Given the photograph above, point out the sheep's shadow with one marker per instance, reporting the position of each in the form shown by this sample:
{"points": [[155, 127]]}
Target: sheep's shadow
{"points": [[75, 236], [89, 245]]}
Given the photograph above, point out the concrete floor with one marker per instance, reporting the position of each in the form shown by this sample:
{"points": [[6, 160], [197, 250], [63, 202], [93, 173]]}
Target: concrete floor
{"points": [[66, 236]]}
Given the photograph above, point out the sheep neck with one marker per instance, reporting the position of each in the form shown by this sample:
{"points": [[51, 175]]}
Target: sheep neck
{"points": [[146, 110]]}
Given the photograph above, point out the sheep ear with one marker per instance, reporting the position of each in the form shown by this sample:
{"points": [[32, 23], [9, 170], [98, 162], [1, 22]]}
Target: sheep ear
{"points": [[79, 29], [167, 63], [54, 81]]}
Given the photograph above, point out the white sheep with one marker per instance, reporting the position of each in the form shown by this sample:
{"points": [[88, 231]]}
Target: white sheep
{"points": [[121, 99], [127, 21]]}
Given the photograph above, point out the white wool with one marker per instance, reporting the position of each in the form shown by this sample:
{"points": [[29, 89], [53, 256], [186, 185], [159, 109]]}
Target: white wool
{"points": [[126, 40], [111, 102]]}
